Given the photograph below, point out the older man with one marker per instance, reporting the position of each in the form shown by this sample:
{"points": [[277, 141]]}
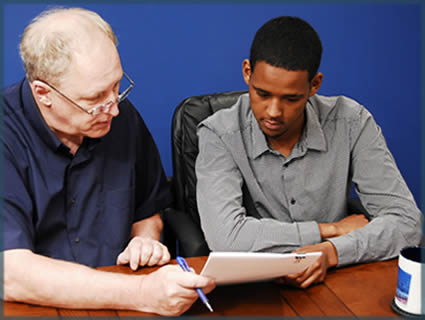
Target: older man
{"points": [[83, 178]]}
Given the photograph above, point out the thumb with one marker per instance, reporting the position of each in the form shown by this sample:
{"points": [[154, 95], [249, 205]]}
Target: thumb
{"points": [[192, 280]]}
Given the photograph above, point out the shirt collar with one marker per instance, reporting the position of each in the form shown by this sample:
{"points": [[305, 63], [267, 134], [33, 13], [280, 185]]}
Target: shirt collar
{"points": [[312, 136], [313, 132]]}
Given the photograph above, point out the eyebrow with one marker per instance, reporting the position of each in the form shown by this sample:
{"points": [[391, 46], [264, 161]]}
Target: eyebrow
{"points": [[285, 95], [260, 90]]}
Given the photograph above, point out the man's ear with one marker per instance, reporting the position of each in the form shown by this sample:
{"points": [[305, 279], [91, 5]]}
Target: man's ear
{"points": [[316, 83], [246, 71], [41, 93]]}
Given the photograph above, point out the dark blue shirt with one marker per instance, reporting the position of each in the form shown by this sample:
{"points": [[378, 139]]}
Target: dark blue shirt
{"points": [[77, 208]]}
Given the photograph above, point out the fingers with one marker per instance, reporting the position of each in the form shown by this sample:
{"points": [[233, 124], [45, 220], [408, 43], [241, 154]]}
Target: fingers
{"points": [[123, 257], [296, 275], [142, 251], [182, 285], [135, 258], [193, 281], [307, 278], [190, 280], [209, 287], [314, 274], [307, 248], [317, 274], [159, 256], [164, 293], [154, 253]]}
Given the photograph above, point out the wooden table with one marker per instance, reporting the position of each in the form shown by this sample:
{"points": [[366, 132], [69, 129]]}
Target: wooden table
{"points": [[361, 290]]}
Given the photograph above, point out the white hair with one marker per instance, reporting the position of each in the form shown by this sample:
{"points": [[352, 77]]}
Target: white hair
{"points": [[48, 42]]}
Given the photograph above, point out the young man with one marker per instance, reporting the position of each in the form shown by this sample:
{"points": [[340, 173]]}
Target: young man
{"points": [[83, 178], [298, 154]]}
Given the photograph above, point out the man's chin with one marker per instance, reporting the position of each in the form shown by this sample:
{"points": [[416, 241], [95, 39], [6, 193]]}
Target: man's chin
{"points": [[274, 135], [99, 132]]}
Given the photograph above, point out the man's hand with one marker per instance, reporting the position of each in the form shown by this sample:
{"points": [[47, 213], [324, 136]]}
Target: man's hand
{"points": [[144, 247], [144, 251], [170, 291], [317, 271], [350, 223], [344, 226]]}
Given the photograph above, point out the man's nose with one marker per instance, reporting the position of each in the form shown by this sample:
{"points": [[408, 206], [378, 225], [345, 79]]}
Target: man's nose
{"points": [[274, 108], [114, 110]]}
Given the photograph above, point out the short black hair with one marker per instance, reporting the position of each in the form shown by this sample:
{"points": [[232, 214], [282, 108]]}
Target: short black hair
{"points": [[287, 42]]}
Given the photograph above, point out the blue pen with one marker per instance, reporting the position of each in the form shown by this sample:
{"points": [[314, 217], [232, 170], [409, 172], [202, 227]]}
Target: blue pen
{"points": [[183, 264]]}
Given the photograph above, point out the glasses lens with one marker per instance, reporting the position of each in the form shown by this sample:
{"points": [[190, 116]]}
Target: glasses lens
{"points": [[104, 108]]}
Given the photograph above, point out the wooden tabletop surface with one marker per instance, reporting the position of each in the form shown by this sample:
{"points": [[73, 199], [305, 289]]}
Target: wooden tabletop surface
{"points": [[360, 290]]}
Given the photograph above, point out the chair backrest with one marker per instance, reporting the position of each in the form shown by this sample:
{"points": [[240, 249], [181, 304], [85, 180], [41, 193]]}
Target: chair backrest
{"points": [[188, 114]]}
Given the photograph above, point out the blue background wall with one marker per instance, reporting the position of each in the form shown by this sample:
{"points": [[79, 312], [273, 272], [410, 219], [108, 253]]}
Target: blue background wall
{"points": [[172, 51]]}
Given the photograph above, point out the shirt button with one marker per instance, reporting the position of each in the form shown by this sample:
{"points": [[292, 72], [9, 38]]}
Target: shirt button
{"points": [[293, 201], [77, 240], [73, 202]]}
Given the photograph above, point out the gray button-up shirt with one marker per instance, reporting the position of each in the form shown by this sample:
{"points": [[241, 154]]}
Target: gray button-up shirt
{"points": [[341, 144]]}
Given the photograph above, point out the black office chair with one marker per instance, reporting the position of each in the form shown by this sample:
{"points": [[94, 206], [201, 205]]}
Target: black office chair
{"points": [[182, 222]]}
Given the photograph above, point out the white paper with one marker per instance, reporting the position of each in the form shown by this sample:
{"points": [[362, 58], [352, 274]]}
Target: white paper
{"points": [[237, 267]]}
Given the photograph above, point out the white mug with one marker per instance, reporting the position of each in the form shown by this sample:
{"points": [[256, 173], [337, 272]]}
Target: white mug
{"points": [[411, 268]]}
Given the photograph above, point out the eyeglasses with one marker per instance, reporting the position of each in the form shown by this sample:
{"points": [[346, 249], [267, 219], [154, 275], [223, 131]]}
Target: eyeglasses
{"points": [[103, 108]]}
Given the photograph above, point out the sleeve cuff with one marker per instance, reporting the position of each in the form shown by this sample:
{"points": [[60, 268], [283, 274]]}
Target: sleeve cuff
{"points": [[153, 207], [346, 250], [309, 233]]}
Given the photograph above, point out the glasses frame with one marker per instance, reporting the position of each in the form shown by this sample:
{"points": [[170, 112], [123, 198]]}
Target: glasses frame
{"points": [[103, 108]]}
